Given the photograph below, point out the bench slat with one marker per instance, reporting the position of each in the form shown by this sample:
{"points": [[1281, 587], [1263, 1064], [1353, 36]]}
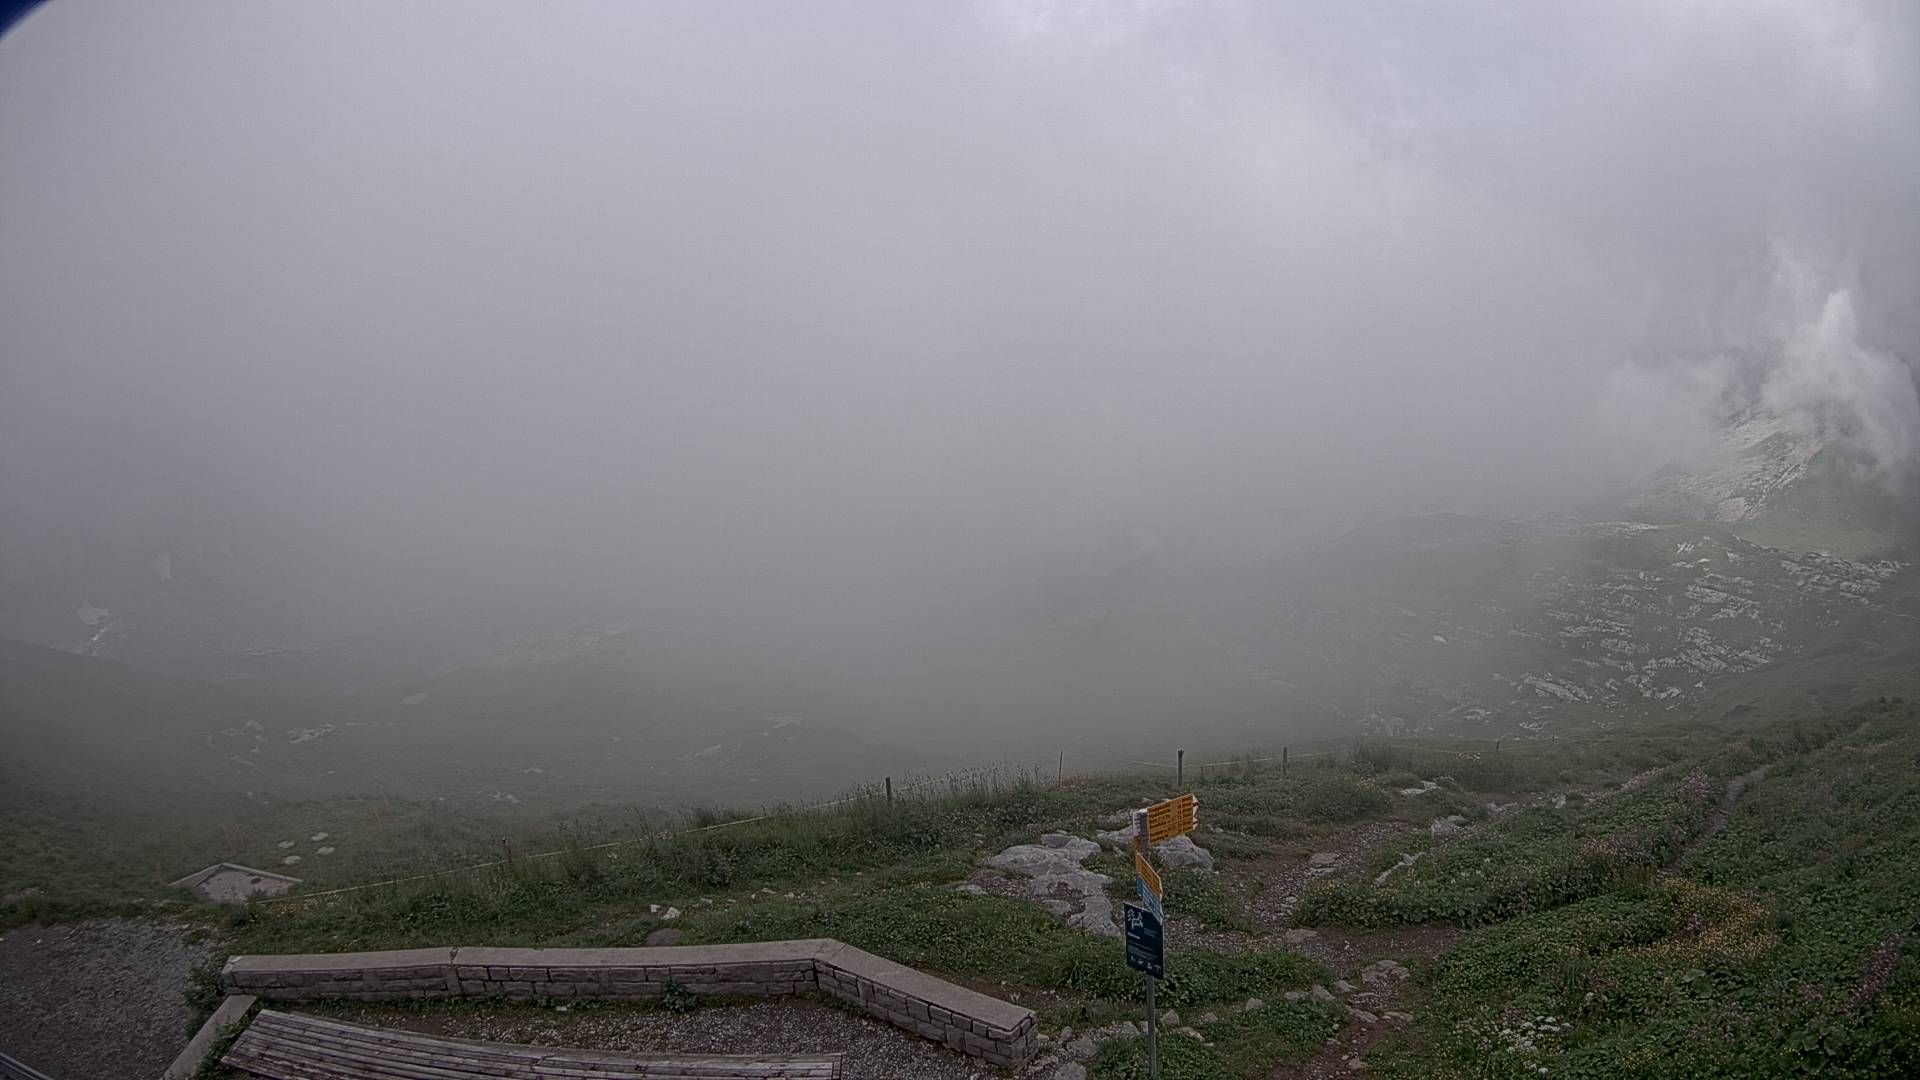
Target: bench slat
{"points": [[284, 1046], [290, 1026], [555, 1063]]}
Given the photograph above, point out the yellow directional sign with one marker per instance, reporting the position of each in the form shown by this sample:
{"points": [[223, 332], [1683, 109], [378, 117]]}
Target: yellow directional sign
{"points": [[1148, 875], [1174, 817]]}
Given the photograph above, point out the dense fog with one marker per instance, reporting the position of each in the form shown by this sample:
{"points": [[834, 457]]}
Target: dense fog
{"points": [[832, 341]]}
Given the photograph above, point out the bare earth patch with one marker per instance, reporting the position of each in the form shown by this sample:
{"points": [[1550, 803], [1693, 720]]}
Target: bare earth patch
{"points": [[1280, 880], [1372, 982], [103, 999]]}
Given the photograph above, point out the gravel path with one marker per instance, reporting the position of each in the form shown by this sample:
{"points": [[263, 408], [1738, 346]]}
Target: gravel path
{"points": [[874, 1051], [99, 1000]]}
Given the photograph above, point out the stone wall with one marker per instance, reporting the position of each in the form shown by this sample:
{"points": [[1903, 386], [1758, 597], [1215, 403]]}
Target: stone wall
{"points": [[970, 1022], [955, 1016]]}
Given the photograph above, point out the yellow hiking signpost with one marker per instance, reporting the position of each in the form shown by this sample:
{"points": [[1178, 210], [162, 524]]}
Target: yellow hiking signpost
{"points": [[1174, 817], [1145, 943], [1148, 875]]}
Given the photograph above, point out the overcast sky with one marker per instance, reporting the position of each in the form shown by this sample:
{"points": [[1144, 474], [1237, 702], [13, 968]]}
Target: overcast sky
{"points": [[799, 300]]}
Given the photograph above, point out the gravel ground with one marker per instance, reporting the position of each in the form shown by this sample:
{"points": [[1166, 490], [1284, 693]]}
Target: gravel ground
{"points": [[1287, 878], [99, 1000], [874, 1050]]}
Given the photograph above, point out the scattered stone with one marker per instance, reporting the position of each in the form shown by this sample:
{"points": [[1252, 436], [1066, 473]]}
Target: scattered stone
{"points": [[1255, 1004], [670, 914], [1321, 993], [1082, 1048], [1450, 826], [1299, 936], [327, 850], [1559, 802], [1342, 986], [1061, 908], [1190, 1033], [1071, 1070], [1065, 1034], [290, 860], [1295, 995], [1181, 853], [1405, 862], [285, 844], [1170, 1019], [970, 889], [1323, 860], [1354, 1064], [1425, 786], [1364, 1016], [317, 837], [666, 935], [1054, 864], [1400, 1017], [1207, 1018]]}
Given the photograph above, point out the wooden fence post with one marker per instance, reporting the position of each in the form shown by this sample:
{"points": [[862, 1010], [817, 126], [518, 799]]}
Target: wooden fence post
{"points": [[1180, 768], [889, 791], [1060, 770], [1283, 761]]}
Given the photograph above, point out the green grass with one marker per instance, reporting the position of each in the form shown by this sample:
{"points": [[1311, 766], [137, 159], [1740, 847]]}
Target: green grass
{"points": [[991, 937], [1779, 946], [1201, 895], [1784, 946]]}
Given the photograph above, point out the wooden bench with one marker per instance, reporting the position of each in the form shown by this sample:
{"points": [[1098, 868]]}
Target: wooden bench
{"points": [[284, 1046]]}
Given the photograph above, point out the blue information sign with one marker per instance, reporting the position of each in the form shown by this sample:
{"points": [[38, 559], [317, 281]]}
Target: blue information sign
{"points": [[1150, 901], [1146, 949]]}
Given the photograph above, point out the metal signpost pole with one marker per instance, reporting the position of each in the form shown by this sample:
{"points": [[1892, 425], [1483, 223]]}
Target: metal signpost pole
{"points": [[1141, 847], [1153, 1034], [1144, 926]]}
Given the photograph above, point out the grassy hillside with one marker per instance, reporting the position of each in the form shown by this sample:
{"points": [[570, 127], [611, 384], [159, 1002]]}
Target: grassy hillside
{"points": [[1707, 898], [115, 780]]}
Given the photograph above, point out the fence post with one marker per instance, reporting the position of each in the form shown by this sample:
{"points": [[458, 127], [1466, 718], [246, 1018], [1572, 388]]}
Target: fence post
{"points": [[1060, 770], [1283, 761], [889, 791], [1180, 768], [1496, 746]]}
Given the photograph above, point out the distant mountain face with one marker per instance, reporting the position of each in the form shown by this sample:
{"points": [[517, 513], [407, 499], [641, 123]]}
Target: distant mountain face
{"points": [[1756, 458], [1804, 478], [1447, 623]]}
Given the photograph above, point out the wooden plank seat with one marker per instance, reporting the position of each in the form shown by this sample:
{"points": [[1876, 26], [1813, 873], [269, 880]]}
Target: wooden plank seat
{"points": [[286, 1046]]}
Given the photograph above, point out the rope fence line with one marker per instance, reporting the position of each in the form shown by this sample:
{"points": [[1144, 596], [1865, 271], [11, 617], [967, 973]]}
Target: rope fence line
{"points": [[872, 793]]}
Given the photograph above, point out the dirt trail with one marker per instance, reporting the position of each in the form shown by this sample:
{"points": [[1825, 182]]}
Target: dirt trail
{"points": [[1285, 878], [1717, 820], [1372, 977]]}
